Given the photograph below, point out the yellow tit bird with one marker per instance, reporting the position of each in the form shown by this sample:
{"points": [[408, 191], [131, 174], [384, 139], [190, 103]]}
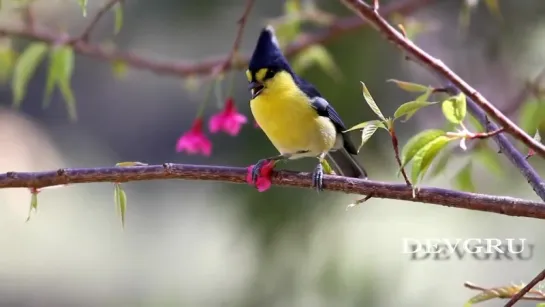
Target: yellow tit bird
{"points": [[295, 117]]}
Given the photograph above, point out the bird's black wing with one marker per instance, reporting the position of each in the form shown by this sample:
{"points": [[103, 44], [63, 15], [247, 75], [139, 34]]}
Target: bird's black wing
{"points": [[325, 109], [320, 104]]}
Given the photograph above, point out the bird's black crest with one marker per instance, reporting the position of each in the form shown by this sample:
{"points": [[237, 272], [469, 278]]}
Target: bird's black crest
{"points": [[267, 53]]}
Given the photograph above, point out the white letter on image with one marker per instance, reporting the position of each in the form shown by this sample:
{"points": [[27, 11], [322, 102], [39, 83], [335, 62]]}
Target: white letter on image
{"points": [[495, 245], [407, 244]]}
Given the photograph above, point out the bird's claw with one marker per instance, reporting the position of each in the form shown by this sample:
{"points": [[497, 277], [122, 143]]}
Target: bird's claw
{"points": [[317, 178], [256, 170]]}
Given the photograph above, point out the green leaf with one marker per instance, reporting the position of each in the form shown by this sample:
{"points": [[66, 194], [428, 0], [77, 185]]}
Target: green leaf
{"points": [[388, 125], [423, 158], [120, 202], [537, 136], [24, 69], [531, 115], [83, 5], [287, 32], [69, 98], [410, 108], [118, 13], [7, 60], [426, 95], [441, 164], [454, 108], [371, 102], [291, 27], [367, 133], [375, 122], [409, 86], [475, 123], [66, 54], [33, 203], [412, 27], [463, 179], [52, 77], [316, 55], [464, 18], [54, 73], [119, 69], [417, 142], [499, 292], [292, 7], [192, 83], [61, 70], [532, 152], [493, 7]]}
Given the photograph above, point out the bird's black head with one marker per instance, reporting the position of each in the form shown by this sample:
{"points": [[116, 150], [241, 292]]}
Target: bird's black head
{"points": [[267, 60]]}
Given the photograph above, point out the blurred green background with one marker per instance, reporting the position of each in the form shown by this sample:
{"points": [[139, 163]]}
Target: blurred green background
{"points": [[213, 244]]}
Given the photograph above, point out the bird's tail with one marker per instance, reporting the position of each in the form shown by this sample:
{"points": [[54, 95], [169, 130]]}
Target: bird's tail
{"points": [[345, 164]]}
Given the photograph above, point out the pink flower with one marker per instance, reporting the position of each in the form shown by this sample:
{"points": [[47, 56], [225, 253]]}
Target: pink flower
{"points": [[194, 141], [263, 182], [228, 120]]}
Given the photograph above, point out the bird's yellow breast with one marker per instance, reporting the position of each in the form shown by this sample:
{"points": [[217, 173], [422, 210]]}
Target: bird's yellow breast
{"points": [[289, 121]]}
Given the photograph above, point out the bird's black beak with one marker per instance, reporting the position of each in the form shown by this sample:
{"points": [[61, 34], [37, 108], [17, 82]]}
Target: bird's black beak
{"points": [[255, 88]]}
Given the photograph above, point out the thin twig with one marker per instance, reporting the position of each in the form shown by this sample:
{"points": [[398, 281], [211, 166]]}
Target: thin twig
{"points": [[367, 12], [395, 145], [476, 103], [508, 149], [238, 39], [473, 201], [207, 66], [471, 286], [484, 135], [28, 17], [89, 29], [527, 288]]}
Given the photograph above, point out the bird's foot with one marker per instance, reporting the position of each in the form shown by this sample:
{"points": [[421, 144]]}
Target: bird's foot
{"points": [[260, 166], [259, 175], [317, 177]]}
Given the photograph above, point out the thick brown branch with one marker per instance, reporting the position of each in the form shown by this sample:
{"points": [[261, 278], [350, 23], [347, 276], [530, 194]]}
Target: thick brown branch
{"points": [[206, 67], [435, 65], [497, 204]]}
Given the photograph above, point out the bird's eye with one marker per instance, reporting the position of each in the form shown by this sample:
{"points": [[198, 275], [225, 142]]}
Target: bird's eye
{"points": [[270, 73]]}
